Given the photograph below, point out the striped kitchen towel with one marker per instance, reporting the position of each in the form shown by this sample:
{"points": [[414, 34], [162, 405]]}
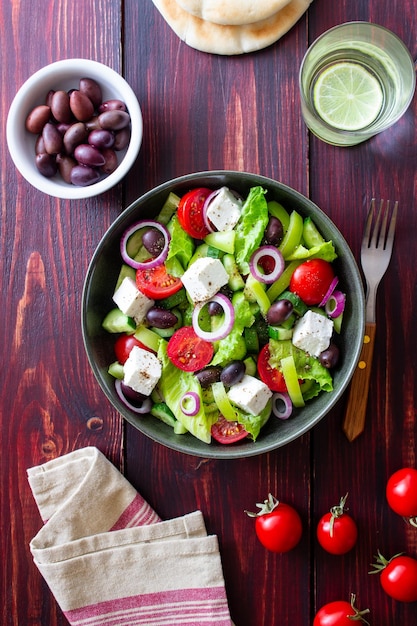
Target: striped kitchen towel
{"points": [[108, 558]]}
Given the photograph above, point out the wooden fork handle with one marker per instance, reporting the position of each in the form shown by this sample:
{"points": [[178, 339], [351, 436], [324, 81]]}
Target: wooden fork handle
{"points": [[354, 421]]}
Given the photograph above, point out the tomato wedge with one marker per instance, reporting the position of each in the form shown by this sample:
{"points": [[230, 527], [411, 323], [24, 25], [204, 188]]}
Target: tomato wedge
{"points": [[270, 375], [123, 346], [188, 351], [156, 283], [190, 212], [226, 431]]}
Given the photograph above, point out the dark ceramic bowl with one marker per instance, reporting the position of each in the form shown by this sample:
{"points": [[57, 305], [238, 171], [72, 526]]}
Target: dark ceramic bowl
{"points": [[97, 301]]}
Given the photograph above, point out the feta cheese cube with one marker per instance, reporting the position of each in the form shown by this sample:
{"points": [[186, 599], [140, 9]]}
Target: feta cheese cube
{"points": [[203, 279], [142, 370], [224, 210], [250, 395], [312, 333], [131, 301]]}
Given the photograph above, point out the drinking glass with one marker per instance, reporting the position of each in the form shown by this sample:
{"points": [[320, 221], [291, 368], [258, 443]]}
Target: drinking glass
{"points": [[356, 80]]}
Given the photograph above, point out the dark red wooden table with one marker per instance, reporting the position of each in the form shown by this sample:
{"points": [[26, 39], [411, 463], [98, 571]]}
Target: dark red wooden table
{"points": [[203, 112]]}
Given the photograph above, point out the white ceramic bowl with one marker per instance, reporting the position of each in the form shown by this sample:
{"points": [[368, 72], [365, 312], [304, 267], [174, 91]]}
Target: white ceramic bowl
{"points": [[66, 75]]}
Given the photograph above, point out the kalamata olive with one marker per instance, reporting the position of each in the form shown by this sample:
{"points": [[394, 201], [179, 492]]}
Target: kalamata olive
{"points": [[279, 311], [63, 127], [75, 135], [60, 106], [112, 105], [92, 123], [232, 373], [46, 164], [81, 106], [208, 375], [65, 165], [83, 175], [52, 138], [88, 155], [114, 120], [214, 308], [49, 96], [101, 138], [273, 232], [121, 139], [111, 162], [37, 119], [330, 357], [39, 145], [92, 90], [154, 241], [161, 318]]}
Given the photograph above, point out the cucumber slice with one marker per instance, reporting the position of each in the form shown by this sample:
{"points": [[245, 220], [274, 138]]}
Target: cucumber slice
{"points": [[169, 208], [300, 308], [163, 413], [117, 322], [280, 333], [116, 369], [126, 271], [148, 337], [311, 235], [223, 240], [236, 281], [255, 292]]}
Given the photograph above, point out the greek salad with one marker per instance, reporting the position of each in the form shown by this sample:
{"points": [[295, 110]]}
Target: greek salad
{"points": [[227, 311]]}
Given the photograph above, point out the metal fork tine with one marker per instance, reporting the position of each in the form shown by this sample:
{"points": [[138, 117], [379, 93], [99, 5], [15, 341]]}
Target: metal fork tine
{"points": [[391, 231], [368, 226]]}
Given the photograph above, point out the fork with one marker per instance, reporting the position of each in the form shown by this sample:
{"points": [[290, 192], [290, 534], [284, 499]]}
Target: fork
{"points": [[376, 252]]}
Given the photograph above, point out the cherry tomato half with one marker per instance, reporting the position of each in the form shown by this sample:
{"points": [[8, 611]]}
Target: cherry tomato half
{"points": [[278, 525], [337, 531], [401, 492], [270, 375], [188, 351], [226, 431], [339, 613], [311, 280], [123, 346], [398, 577], [190, 212], [156, 283]]}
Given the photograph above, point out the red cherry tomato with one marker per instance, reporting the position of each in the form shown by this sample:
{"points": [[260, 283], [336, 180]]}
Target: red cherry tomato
{"points": [[190, 212], [188, 351], [156, 283], [336, 531], [270, 375], [339, 613], [226, 431], [123, 346], [278, 525], [311, 280], [401, 493], [398, 577]]}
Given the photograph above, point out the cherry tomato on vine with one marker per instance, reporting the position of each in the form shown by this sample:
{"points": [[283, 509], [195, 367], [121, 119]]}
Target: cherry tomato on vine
{"points": [[278, 525], [340, 613], [311, 280], [124, 344], [398, 576], [190, 212], [337, 531], [401, 493]]}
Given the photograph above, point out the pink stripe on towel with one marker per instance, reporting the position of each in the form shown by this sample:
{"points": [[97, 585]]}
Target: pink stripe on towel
{"points": [[184, 607], [138, 513]]}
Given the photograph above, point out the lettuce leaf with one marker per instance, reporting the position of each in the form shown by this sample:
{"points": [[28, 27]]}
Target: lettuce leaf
{"points": [[308, 367], [173, 384], [254, 423], [250, 228], [181, 248]]}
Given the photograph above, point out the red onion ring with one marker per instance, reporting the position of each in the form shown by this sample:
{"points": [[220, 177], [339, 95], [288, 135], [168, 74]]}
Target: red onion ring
{"points": [[335, 305], [145, 407], [152, 262], [275, 254], [225, 328], [207, 201], [279, 398], [192, 398], [330, 290]]}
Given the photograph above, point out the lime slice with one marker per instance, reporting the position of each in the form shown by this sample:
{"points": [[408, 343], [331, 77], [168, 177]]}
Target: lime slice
{"points": [[347, 96]]}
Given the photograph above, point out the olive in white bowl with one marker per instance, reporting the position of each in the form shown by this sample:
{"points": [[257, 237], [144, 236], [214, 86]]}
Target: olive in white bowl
{"points": [[40, 117]]}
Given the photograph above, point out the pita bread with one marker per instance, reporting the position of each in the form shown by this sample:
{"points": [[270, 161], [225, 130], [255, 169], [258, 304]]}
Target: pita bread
{"points": [[232, 12], [229, 40]]}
